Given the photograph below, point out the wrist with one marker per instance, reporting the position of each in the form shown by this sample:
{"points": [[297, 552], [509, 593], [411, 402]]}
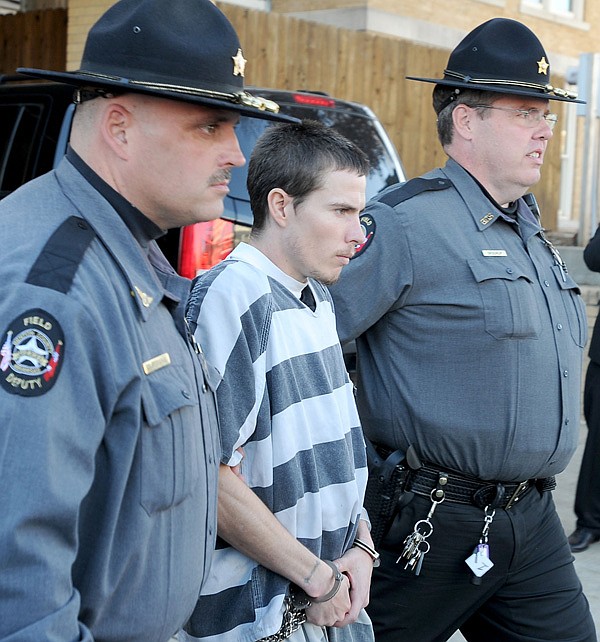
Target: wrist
{"points": [[368, 549], [303, 600], [337, 582]]}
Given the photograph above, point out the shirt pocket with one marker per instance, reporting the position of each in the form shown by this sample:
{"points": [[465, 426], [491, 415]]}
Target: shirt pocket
{"points": [[508, 298], [574, 306], [170, 440]]}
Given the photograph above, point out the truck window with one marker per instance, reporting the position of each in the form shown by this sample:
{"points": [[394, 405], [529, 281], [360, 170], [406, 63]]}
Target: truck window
{"points": [[19, 131]]}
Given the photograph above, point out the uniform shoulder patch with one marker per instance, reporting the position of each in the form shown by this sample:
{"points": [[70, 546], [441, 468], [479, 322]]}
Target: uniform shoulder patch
{"points": [[367, 222], [395, 196], [31, 353]]}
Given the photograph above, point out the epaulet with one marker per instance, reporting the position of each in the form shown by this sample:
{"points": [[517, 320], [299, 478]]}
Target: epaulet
{"points": [[57, 263], [411, 188]]}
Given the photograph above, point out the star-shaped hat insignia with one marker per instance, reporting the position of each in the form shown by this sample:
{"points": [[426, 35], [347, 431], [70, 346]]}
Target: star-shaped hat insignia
{"points": [[239, 64], [542, 65]]}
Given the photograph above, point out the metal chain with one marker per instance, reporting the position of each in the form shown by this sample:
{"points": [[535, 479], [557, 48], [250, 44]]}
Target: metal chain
{"points": [[293, 619]]}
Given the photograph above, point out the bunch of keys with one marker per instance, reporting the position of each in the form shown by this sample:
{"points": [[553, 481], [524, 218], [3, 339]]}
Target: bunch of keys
{"points": [[479, 562], [416, 545]]}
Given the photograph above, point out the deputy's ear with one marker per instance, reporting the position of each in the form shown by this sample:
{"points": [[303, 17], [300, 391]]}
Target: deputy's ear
{"points": [[462, 117], [115, 125]]}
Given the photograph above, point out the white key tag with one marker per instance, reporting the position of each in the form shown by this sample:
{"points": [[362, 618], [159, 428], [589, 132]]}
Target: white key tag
{"points": [[479, 562]]}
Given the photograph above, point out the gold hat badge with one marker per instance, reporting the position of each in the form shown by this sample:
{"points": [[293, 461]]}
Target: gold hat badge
{"points": [[239, 63]]}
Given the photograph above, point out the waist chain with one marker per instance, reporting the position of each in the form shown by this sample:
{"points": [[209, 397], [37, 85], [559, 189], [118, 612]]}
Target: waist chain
{"points": [[293, 619]]}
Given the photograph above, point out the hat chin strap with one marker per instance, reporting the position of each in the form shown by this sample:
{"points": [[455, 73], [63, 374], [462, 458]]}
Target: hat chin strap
{"points": [[248, 100], [546, 89], [451, 98], [238, 98]]}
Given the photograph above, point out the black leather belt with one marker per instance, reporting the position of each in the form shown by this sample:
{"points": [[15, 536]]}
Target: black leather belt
{"points": [[462, 489]]}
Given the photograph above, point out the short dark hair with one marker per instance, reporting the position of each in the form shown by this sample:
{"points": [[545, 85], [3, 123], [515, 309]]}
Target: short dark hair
{"points": [[445, 100], [294, 157]]}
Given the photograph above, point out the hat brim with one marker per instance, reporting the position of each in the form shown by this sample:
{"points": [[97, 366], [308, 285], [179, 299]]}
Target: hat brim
{"points": [[511, 90], [185, 94]]}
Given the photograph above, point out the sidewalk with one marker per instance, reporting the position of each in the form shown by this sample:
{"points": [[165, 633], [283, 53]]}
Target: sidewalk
{"points": [[588, 562]]}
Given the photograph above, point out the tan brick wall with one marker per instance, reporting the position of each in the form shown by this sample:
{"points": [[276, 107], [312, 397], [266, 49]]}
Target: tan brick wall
{"points": [[36, 5], [558, 35], [82, 15]]}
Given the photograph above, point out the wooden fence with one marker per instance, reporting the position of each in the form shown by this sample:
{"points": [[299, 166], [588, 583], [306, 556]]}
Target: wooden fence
{"points": [[368, 68], [289, 53], [33, 39]]}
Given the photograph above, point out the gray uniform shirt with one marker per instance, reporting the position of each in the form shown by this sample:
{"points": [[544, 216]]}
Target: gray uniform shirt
{"points": [[108, 451], [470, 336]]}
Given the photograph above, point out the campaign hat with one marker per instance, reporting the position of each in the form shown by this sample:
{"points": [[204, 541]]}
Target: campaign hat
{"points": [[504, 56], [181, 49]]}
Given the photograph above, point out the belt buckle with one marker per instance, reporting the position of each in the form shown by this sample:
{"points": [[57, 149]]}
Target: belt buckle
{"points": [[515, 496]]}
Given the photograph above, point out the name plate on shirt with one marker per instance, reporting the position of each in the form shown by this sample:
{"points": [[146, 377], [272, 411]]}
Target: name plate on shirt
{"points": [[156, 363], [494, 252]]}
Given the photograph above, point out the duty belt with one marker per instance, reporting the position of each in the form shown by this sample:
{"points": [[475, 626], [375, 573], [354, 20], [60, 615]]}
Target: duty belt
{"points": [[463, 489]]}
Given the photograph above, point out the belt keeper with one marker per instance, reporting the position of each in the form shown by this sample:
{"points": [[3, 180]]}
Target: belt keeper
{"points": [[438, 493], [516, 495]]}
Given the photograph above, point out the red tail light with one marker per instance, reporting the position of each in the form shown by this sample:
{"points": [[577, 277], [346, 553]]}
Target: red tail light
{"points": [[314, 101], [203, 245]]}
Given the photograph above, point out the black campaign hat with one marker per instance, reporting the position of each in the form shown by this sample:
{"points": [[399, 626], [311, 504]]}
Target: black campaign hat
{"points": [[505, 56], [182, 49]]}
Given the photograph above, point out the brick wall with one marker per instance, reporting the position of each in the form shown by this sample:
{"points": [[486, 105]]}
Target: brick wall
{"points": [[560, 36], [82, 15]]}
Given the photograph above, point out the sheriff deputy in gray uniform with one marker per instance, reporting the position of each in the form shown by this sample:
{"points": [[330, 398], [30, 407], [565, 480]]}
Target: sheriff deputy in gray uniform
{"points": [[470, 333], [108, 448]]}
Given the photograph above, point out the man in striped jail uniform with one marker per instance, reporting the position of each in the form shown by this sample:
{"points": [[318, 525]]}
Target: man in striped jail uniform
{"points": [[295, 556]]}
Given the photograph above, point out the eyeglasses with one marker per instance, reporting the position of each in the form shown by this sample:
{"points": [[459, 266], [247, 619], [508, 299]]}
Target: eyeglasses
{"points": [[529, 117]]}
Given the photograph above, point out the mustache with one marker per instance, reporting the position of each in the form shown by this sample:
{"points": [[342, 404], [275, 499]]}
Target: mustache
{"points": [[222, 176]]}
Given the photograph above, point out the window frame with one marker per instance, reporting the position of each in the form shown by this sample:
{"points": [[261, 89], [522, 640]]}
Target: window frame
{"points": [[545, 9]]}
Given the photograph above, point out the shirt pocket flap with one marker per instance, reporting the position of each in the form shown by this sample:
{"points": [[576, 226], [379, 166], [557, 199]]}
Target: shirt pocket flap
{"points": [[166, 391], [494, 268], [508, 299]]}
